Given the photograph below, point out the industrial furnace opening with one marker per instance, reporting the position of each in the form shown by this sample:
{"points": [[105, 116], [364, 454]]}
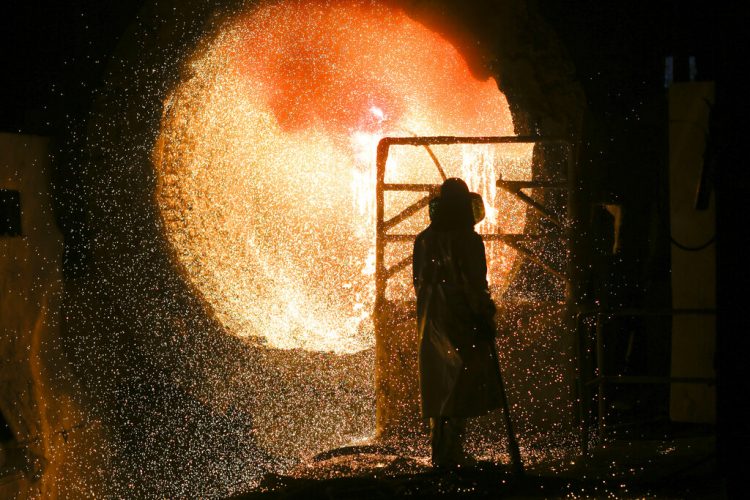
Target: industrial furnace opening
{"points": [[265, 162]]}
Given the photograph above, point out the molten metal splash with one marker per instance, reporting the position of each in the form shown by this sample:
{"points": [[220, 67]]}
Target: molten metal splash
{"points": [[265, 163]]}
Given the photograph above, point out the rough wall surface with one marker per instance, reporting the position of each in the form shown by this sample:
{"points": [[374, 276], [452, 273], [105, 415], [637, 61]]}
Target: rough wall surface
{"points": [[512, 42], [47, 453]]}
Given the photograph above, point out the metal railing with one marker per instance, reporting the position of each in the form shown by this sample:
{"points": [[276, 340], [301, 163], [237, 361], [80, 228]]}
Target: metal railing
{"points": [[601, 379], [563, 230], [382, 274]]}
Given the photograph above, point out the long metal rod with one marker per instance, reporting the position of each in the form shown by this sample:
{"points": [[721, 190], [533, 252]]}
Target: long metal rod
{"points": [[509, 239], [512, 445], [573, 291], [649, 312], [600, 372], [516, 185], [381, 408], [502, 237], [637, 379], [432, 156], [448, 139], [436, 162], [411, 187], [584, 400]]}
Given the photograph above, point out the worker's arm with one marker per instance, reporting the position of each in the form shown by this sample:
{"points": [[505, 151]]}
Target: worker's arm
{"points": [[474, 269]]}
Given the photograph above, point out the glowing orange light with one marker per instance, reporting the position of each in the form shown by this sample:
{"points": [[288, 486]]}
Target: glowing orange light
{"points": [[265, 162]]}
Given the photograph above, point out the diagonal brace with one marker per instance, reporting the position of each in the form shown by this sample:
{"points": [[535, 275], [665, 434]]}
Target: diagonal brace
{"points": [[407, 212], [514, 188], [526, 253]]}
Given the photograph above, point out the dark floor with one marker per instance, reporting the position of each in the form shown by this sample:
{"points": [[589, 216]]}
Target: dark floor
{"points": [[651, 460]]}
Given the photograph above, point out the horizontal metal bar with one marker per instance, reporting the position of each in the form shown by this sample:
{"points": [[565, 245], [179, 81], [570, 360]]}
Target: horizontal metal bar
{"points": [[648, 312], [520, 237], [435, 140], [510, 185], [632, 379], [516, 185], [398, 238], [411, 187], [501, 237]]}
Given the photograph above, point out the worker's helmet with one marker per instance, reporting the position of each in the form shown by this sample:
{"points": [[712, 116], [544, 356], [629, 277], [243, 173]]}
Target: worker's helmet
{"points": [[454, 188]]}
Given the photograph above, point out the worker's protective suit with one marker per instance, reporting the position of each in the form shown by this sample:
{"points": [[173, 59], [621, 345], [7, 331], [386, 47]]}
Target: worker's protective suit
{"points": [[458, 369]]}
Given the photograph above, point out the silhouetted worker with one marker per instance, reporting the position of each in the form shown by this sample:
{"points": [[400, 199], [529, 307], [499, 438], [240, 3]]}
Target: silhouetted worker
{"points": [[458, 371]]}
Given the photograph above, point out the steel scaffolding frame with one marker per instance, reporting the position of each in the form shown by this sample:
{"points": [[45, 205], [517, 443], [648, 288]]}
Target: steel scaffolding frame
{"points": [[566, 227]]}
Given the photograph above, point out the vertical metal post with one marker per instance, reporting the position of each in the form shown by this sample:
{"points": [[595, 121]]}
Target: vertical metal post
{"points": [[573, 293], [584, 397], [380, 279], [572, 233], [600, 373], [381, 409]]}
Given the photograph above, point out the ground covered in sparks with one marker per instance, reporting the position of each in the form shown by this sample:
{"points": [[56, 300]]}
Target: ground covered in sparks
{"points": [[265, 165], [667, 461]]}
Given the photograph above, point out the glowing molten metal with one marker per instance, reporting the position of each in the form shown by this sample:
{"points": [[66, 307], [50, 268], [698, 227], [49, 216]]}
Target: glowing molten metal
{"points": [[266, 163]]}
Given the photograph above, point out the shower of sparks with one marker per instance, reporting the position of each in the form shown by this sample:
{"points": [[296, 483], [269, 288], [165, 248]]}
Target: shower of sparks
{"points": [[265, 161], [265, 184]]}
